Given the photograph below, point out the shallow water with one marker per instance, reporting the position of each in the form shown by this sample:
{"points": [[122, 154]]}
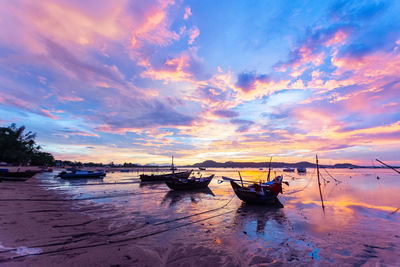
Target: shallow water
{"points": [[360, 223]]}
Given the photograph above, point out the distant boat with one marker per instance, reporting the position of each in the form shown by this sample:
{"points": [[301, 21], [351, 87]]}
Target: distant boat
{"points": [[202, 168], [79, 174], [258, 193], [162, 177], [301, 169], [17, 176], [124, 170], [288, 170], [189, 183]]}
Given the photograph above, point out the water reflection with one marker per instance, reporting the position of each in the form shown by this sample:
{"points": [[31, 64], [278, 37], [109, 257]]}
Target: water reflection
{"points": [[174, 197], [361, 212], [151, 184], [259, 219], [81, 181]]}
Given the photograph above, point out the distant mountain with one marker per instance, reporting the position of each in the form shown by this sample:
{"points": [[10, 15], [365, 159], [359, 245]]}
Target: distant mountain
{"points": [[232, 164]]}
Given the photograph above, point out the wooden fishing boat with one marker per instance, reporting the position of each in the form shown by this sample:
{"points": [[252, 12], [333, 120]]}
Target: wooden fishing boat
{"points": [[78, 174], [189, 183], [202, 168], [6, 175], [288, 170], [258, 193], [162, 177], [301, 170]]}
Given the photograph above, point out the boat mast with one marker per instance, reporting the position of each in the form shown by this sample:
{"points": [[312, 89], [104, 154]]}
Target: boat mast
{"points": [[319, 184], [388, 166], [172, 166], [269, 169]]}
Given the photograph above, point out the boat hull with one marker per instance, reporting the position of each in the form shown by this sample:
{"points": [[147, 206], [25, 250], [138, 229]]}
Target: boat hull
{"points": [[301, 170], [16, 176], [288, 170], [250, 197], [188, 184], [162, 177]]}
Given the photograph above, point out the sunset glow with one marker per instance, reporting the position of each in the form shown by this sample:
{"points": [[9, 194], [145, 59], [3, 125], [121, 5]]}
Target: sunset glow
{"points": [[139, 81]]}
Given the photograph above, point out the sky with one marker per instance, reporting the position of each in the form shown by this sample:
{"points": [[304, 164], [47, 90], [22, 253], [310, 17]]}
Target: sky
{"points": [[140, 81]]}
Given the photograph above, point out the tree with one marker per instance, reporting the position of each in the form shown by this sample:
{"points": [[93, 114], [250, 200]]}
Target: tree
{"points": [[20, 148], [42, 159]]}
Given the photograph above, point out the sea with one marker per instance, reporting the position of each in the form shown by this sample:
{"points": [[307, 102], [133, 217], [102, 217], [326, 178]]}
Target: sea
{"points": [[358, 226]]}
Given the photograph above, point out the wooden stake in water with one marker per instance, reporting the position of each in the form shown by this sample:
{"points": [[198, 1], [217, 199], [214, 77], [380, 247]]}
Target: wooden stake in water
{"points": [[319, 184]]}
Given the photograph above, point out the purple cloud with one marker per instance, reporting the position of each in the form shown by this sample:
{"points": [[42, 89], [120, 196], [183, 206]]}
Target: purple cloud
{"points": [[225, 113], [246, 80]]}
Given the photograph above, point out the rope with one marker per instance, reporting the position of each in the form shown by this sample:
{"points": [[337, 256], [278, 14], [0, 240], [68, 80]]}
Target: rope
{"points": [[336, 180], [304, 188]]}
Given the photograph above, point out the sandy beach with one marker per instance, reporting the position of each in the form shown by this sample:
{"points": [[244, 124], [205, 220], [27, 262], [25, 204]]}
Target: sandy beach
{"points": [[42, 228], [117, 221]]}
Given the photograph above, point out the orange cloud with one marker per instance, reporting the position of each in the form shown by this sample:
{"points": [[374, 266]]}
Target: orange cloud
{"points": [[173, 70]]}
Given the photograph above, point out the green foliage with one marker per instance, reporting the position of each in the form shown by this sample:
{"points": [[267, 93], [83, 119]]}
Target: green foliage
{"points": [[42, 159], [18, 147]]}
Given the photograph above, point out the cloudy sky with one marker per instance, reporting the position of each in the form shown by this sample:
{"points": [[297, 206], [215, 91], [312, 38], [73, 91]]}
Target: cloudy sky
{"points": [[139, 81]]}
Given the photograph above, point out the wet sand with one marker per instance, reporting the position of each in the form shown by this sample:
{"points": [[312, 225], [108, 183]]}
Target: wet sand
{"points": [[119, 222], [44, 228]]}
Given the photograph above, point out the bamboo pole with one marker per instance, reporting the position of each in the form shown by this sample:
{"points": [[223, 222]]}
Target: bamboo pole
{"points": [[319, 184], [241, 180], [388, 166]]}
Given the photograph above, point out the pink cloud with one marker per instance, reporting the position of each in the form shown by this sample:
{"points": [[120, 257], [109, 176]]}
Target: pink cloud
{"points": [[193, 34], [338, 38], [173, 70], [48, 114], [188, 13], [70, 98]]}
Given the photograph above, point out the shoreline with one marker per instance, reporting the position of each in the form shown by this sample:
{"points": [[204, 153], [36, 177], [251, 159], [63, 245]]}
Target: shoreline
{"points": [[39, 227]]}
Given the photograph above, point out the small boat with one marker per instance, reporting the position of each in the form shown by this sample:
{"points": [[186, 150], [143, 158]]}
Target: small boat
{"points": [[17, 176], [124, 170], [258, 193], [301, 169], [79, 174], [202, 168], [288, 170], [162, 177], [189, 183]]}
